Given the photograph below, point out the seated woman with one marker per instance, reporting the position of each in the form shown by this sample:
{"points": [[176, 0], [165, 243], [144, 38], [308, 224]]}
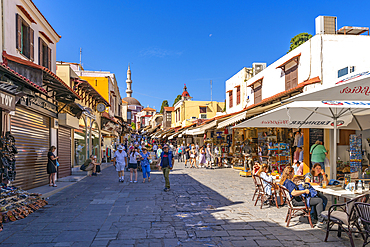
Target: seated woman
{"points": [[262, 172], [317, 175], [256, 167], [295, 194]]}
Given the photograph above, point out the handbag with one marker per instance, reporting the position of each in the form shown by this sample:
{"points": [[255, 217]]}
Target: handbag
{"points": [[98, 169], [82, 167], [56, 161]]}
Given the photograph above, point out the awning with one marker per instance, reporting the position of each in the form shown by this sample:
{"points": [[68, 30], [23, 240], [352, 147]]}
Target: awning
{"points": [[355, 87], [232, 120], [313, 114]]}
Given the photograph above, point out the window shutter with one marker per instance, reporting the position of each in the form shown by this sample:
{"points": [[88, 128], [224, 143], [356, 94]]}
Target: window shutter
{"points": [[40, 52], [49, 58], [32, 57], [18, 22], [294, 77]]}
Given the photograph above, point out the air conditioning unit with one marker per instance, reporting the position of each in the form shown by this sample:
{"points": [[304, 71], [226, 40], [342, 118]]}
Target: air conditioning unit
{"points": [[258, 67], [326, 25], [203, 116]]}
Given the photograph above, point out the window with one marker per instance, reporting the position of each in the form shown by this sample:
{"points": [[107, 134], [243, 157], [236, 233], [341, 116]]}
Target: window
{"points": [[202, 109], [257, 94], [44, 54], [345, 71], [168, 116], [291, 77], [230, 99], [203, 116], [238, 95], [25, 38]]}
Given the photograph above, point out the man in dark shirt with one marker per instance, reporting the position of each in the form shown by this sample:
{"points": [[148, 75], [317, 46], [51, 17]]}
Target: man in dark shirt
{"points": [[166, 161]]}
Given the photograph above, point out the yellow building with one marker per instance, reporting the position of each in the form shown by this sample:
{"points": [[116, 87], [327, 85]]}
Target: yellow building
{"points": [[186, 111]]}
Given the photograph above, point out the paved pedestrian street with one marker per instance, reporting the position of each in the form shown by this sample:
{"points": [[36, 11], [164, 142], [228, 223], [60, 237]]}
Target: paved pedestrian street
{"points": [[203, 208]]}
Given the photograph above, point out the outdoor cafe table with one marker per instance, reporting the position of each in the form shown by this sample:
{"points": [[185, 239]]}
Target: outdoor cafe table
{"points": [[337, 191]]}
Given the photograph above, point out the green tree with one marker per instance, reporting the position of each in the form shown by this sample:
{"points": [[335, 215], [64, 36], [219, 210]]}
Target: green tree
{"points": [[133, 125], [298, 40], [178, 98], [164, 104]]}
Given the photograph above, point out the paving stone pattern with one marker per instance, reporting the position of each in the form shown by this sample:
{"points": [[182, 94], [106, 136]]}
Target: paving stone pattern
{"points": [[204, 208]]}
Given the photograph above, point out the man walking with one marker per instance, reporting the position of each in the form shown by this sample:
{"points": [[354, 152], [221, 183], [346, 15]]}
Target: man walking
{"points": [[166, 164], [120, 161]]}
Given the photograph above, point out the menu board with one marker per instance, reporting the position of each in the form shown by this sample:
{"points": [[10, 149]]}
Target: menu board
{"points": [[316, 134]]}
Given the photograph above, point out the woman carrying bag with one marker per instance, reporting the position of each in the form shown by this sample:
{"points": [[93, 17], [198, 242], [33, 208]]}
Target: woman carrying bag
{"points": [[145, 164], [51, 168]]}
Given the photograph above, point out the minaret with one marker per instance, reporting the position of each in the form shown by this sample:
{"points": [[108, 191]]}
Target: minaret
{"points": [[128, 81]]}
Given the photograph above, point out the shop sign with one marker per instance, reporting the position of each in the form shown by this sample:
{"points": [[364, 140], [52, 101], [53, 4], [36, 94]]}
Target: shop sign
{"points": [[346, 102], [356, 90], [40, 104], [7, 101], [299, 122], [353, 77]]}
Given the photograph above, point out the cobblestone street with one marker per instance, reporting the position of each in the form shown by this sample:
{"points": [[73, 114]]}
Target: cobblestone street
{"points": [[203, 208]]}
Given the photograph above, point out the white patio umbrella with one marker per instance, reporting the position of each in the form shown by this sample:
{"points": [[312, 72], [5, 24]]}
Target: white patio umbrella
{"points": [[316, 114]]}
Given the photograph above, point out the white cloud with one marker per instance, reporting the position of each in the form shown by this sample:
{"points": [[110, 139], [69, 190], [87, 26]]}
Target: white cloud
{"points": [[210, 35]]}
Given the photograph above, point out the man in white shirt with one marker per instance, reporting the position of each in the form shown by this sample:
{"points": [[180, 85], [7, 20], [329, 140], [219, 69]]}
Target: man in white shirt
{"points": [[155, 147], [120, 162]]}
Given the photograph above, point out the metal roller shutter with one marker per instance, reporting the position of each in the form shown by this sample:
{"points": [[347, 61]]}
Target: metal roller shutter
{"points": [[64, 152], [32, 136]]}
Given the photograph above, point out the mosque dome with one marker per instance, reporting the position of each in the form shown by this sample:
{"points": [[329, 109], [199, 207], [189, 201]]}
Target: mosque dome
{"points": [[131, 101]]}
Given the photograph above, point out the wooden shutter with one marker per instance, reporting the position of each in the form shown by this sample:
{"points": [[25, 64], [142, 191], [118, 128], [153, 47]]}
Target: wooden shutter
{"points": [[294, 77], [32, 56], [291, 77], [18, 22], [49, 58], [40, 52], [258, 94]]}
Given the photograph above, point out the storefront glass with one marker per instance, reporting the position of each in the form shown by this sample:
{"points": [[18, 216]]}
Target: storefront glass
{"points": [[95, 140], [80, 142]]}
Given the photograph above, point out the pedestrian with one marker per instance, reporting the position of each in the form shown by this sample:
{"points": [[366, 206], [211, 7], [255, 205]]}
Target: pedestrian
{"points": [[120, 162], [179, 153], [182, 152], [202, 157], [209, 156], [159, 151], [155, 147], [193, 157], [318, 154], [132, 163], [145, 164], [166, 164], [52, 166], [187, 156]]}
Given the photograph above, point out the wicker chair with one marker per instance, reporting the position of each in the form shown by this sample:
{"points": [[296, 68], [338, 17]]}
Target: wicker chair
{"points": [[344, 216], [260, 191], [274, 191], [294, 211], [363, 212], [256, 185]]}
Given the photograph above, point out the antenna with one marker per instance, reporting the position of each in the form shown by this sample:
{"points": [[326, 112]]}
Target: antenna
{"points": [[80, 56], [211, 90]]}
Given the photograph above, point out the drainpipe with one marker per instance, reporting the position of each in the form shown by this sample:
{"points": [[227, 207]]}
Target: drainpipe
{"points": [[2, 25]]}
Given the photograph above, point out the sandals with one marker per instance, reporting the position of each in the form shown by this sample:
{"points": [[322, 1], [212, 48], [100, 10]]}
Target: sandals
{"points": [[54, 185], [148, 180], [144, 180]]}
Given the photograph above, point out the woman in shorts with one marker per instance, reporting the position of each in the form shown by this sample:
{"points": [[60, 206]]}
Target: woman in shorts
{"points": [[132, 163]]}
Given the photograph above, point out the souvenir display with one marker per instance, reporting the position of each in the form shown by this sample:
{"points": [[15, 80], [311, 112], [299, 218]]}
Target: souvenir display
{"points": [[16, 203], [355, 152], [7, 157]]}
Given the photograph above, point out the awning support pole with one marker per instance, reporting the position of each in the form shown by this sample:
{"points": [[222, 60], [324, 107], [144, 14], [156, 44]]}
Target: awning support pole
{"points": [[334, 162]]}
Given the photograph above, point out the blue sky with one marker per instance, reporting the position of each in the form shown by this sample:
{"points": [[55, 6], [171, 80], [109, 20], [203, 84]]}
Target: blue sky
{"points": [[172, 43]]}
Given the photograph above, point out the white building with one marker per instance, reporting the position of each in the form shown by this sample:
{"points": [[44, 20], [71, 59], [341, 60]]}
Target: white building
{"points": [[321, 61]]}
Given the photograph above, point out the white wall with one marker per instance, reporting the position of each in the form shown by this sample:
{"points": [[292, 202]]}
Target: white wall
{"points": [[334, 52], [236, 80], [9, 11]]}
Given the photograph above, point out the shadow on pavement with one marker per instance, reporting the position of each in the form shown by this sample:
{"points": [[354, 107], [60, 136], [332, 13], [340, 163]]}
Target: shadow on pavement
{"points": [[99, 211]]}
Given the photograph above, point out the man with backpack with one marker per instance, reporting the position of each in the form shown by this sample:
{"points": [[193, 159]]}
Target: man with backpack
{"points": [[166, 161]]}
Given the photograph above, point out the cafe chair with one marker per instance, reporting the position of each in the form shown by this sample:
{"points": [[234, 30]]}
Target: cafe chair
{"points": [[363, 212], [275, 189], [256, 185], [261, 196], [344, 216], [295, 211]]}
